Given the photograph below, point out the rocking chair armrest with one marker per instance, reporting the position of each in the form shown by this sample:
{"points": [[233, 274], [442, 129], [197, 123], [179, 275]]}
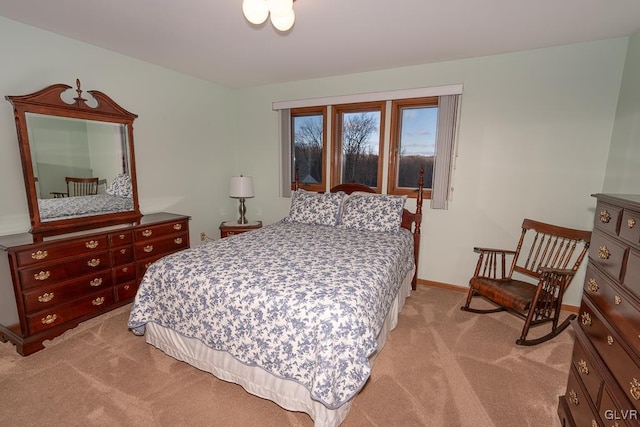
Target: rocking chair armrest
{"points": [[504, 251]]}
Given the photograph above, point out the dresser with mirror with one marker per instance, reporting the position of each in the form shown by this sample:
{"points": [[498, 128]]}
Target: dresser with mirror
{"points": [[89, 245]]}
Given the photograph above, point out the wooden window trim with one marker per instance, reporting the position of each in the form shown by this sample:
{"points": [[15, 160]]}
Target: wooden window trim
{"points": [[311, 111]]}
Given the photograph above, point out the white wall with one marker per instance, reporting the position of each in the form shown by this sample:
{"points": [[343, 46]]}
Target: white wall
{"points": [[183, 135], [623, 167], [534, 137]]}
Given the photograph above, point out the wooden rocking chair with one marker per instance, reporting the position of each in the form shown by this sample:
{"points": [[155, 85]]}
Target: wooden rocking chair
{"points": [[545, 261]]}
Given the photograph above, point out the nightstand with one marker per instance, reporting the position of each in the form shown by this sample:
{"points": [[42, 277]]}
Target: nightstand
{"points": [[229, 228]]}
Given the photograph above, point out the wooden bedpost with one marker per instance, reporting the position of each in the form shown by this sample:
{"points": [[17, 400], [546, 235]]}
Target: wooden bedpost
{"points": [[416, 231]]}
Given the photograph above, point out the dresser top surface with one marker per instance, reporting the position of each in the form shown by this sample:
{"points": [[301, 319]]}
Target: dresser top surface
{"points": [[629, 200]]}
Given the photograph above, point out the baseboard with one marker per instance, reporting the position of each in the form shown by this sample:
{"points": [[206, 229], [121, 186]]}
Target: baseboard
{"points": [[465, 289]]}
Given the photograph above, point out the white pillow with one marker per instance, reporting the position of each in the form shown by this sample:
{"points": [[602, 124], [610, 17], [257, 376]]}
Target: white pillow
{"points": [[315, 208], [373, 212], [120, 186]]}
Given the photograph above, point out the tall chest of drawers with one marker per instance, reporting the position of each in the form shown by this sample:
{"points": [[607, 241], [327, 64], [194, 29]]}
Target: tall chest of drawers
{"points": [[604, 381], [60, 282]]}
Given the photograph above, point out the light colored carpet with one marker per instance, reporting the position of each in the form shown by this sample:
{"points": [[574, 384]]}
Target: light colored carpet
{"points": [[440, 367]]}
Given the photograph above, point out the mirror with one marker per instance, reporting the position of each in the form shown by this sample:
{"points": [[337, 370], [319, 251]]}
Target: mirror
{"points": [[77, 159]]}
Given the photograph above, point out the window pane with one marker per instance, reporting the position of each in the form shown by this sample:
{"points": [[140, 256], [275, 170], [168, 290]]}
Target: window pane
{"points": [[417, 146], [360, 147], [307, 148]]}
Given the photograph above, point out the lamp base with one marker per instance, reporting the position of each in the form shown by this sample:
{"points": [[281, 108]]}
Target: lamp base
{"points": [[242, 210]]}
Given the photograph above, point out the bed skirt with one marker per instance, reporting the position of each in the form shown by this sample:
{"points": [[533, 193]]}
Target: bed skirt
{"points": [[286, 393]]}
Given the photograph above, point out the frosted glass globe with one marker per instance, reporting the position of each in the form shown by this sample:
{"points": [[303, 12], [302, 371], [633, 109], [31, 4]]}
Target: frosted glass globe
{"points": [[280, 7], [256, 11], [283, 23]]}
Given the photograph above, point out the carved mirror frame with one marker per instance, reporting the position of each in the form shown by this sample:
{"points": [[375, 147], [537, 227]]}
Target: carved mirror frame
{"points": [[49, 102]]}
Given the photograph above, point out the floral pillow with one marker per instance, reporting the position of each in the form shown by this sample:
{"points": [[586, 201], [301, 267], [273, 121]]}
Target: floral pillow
{"points": [[315, 208], [373, 212], [121, 186]]}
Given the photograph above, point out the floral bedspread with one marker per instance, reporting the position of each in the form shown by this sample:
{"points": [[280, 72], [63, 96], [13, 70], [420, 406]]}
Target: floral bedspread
{"points": [[77, 206], [303, 302]]}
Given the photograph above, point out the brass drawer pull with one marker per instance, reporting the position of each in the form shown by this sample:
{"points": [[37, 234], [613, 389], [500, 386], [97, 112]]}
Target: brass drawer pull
{"points": [[148, 248], [582, 367], [49, 319], [122, 236], [617, 300], [92, 244], [604, 252], [96, 282], [177, 226], [125, 269], [126, 287], [635, 389], [43, 275], [46, 297], [631, 222], [592, 285], [147, 233], [586, 319], [231, 233], [98, 301], [177, 240], [94, 262], [605, 216], [123, 251], [573, 398], [609, 340], [148, 264], [38, 255]]}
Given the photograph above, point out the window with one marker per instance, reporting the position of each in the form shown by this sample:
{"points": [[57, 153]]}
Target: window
{"points": [[412, 145], [358, 144], [308, 130], [422, 124]]}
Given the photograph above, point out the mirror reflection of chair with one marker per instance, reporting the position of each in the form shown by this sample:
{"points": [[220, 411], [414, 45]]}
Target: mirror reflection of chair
{"points": [[544, 263], [81, 186]]}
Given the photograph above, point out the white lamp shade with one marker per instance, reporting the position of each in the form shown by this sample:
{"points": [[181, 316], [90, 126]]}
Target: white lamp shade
{"points": [[284, 22], [241, 187], [256, 11]]}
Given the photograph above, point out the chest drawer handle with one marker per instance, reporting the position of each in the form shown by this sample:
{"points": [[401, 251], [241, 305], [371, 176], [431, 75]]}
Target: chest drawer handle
{"points": [[177, 240], [91, 244], [586, 319], [46, 297], [609, 340], [631, 222], [49, 319], [94, 262], [124, 270], [98, 301], [605, 216], [147, 265], [43, 275], [148, 248], [592, 285], [126, 287], [122, 236], [594, 423], [123, 251], [177, 226], [231, 233], [573, 398], [38, 255], [582, 367], [147, 233], [617, 300], [635, 389], [96, 282], [604, 252]]}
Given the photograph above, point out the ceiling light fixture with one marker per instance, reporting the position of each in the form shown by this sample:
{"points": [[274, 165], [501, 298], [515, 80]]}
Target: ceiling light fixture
{"points": [[282, 15]]}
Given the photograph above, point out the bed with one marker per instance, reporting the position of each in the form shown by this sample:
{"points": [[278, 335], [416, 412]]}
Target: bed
{"points": [[79, 206], [296, 311]]}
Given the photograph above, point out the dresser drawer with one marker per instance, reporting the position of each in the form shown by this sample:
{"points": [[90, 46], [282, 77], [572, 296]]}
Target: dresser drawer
{"points": [[126, 291], [58, 250], [581, 408], [630, 226], [616, 306], [632, 275], [142, 266], [54, 273], [65, 312], [608, 254], [614, 415], [623, 366], [44, 297], [122, 255], [124, 273], [121, 238], [585, 369], [146, 233], [162, 246], [607, 217]]}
